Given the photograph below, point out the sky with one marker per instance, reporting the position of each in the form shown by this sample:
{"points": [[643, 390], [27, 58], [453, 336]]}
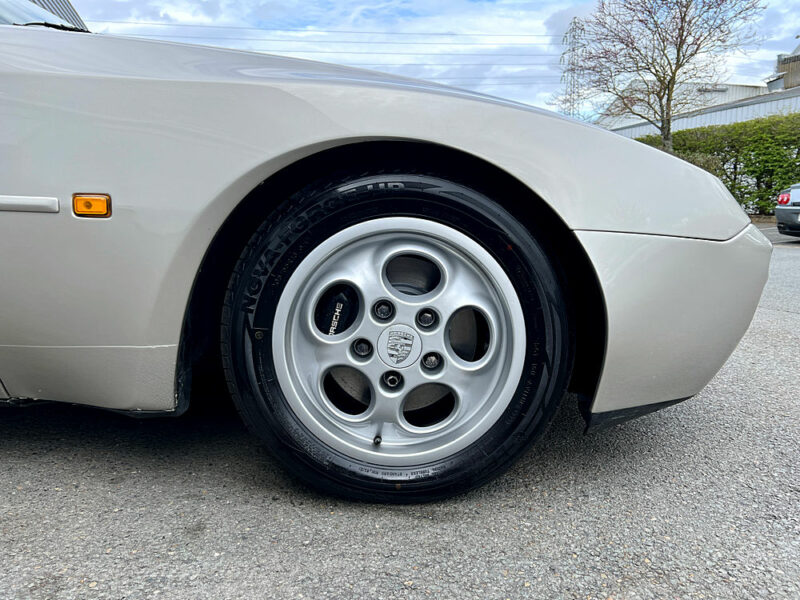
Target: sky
{"points": [[506, 48]]}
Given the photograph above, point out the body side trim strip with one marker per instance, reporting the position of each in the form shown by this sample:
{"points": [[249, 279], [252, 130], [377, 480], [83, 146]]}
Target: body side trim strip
{"points": [[41, 204]]}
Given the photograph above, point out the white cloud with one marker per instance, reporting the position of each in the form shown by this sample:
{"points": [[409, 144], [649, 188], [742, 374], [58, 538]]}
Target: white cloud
{"points": [[499, 61]]}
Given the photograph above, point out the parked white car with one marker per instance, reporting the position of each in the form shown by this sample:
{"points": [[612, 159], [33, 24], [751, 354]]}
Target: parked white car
{"points": [[399, 281]]}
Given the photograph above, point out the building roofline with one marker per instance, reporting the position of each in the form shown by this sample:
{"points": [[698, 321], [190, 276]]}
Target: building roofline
{"points": [[718, 107]]}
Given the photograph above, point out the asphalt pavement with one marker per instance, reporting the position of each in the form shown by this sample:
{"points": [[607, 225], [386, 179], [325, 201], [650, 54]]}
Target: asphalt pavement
{"points": [[701, 500]]}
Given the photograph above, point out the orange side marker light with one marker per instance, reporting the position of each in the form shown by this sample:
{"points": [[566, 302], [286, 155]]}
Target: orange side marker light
{"points": [[91, 205]]}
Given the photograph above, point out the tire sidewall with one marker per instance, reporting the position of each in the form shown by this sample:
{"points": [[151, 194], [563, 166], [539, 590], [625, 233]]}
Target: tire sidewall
{"points": [[319, 211]]}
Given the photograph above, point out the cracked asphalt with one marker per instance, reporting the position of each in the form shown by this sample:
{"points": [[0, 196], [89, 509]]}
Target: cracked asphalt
{"points": [[701, 500]]}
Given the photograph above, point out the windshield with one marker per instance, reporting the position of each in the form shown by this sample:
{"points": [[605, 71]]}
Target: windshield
{"points": [[19, 12]]}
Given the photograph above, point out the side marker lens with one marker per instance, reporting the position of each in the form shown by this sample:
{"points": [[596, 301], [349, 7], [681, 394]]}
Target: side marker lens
{"points": [[91, 205]]}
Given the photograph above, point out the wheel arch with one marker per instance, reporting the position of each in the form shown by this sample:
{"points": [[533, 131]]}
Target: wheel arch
{"points": [[199, 376]]}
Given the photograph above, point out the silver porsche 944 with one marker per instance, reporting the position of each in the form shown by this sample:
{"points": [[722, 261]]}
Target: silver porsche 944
{"points": [[397, 281]]}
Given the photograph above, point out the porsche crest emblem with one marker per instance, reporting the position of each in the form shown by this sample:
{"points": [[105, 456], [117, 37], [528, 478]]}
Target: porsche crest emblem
{"points": [[399, 346]]}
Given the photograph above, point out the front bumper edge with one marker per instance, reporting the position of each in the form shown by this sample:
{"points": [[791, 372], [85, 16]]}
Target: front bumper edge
{"points": [[605, 420]]}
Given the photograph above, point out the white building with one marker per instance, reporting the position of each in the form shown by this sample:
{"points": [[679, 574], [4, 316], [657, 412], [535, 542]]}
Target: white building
{"points": [[787, 72], [764, 105], [728, 103], [703, 96]]}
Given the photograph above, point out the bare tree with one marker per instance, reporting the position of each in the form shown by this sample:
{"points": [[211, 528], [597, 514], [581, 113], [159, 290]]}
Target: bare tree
{"points": [[652, 58]]}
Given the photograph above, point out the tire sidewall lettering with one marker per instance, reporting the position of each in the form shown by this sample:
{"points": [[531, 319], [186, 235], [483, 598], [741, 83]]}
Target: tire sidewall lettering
{"points": [[310, 216]]}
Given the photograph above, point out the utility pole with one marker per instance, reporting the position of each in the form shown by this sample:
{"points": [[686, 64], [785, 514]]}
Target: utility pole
{"points": [[570, 64]]}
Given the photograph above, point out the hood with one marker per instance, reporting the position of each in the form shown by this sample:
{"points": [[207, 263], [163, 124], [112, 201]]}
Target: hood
{"points": [[106, 55]]}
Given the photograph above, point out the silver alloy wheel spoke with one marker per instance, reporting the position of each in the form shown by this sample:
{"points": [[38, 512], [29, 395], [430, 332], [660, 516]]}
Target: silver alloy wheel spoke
{"points": [[415, 264], [385, 411], [355, 266]]}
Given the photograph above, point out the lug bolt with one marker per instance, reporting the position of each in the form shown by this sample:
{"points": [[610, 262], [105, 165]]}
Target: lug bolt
{"points": [[362, 348], [431, 360], [426, 318], [377, 441], [383, 310], [392, 379]]}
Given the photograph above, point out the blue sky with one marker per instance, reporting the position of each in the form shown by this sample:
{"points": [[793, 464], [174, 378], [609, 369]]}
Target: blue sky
{"points": [[507, 48]]}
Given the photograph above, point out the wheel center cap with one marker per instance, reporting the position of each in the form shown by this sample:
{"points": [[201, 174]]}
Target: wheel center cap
{"points": [[399, 346]]}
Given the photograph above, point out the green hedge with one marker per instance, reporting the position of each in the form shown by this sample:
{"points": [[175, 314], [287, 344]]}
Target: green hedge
{"points": [[755, 159]]}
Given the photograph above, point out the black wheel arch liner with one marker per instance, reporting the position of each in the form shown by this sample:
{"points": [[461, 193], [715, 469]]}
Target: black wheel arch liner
{"points": [[605, 420]]}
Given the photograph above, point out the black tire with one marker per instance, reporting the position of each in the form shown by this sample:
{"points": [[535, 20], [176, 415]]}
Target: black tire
{"points": [[317, 212]]}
